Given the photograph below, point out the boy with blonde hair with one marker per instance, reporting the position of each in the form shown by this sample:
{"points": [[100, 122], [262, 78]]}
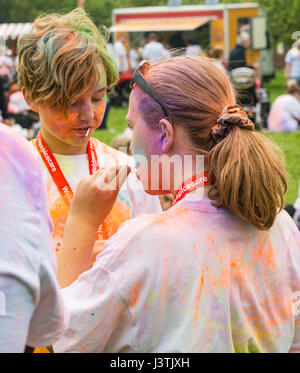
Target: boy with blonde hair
{"points": [[64, 71]]}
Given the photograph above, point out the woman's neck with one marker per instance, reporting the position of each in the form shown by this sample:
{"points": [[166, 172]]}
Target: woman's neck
{"points": [[58, 147]]}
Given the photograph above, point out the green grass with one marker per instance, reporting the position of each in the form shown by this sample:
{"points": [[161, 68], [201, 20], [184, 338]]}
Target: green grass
{"points": [[276, 85], [289, 142]]}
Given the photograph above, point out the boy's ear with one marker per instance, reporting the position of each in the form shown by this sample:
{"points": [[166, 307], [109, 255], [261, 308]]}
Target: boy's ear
{"points": [[166, 135], [32, 105]]}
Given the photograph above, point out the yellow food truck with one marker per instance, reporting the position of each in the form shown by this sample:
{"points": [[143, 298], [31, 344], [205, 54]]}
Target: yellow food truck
{"points": [[213, 26]]}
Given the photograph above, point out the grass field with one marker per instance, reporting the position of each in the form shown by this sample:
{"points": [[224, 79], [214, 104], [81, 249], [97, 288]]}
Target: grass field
{"points": [[289, 142]]}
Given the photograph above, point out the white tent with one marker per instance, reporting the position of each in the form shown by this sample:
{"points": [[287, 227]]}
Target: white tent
{"points": [[11, 31]]}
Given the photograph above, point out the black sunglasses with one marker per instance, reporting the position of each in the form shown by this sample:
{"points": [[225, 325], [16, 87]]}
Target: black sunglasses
{"points": [[138, 78]]}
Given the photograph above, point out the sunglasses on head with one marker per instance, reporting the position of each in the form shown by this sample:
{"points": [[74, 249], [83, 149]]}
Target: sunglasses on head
{"points": [[140, 81]]}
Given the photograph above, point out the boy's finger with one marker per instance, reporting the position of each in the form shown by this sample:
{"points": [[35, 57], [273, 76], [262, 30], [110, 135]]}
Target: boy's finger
{"points": [[121, 176]]}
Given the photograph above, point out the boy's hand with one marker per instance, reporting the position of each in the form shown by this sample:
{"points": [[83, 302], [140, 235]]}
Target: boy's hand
{"points": [[96, 194]]}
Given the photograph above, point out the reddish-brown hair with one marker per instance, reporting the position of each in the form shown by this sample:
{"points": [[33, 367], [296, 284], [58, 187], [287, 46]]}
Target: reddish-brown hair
{"points": [[246, 171]]}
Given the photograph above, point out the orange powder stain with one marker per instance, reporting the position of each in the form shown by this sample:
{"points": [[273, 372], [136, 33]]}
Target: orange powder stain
{"points": [[210, 241], [134, 293], [163, 282], [119, 213], [199, 292], [266, 254], [59, 213]]}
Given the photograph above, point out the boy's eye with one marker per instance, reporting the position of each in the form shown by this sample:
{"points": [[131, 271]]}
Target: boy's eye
{"points": [[97, 99]]}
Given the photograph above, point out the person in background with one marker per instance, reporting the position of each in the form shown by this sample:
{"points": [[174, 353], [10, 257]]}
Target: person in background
{"points": [[32, 312], [16, 102], [217, 54], [6, 65], [292, 63], [193, 48], [284, 115], [237, 56], [297, 209], [167, 53], [122, 143], [3, 104], [153, 50], [134, 55], [219, 270], [120, 54]]}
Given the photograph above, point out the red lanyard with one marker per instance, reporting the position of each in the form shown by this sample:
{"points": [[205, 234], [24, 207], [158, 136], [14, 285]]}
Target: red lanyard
{"points": [[195, 182], [55, 171]]}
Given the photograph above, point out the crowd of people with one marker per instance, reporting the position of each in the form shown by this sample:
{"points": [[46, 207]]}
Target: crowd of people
{"points": [[89, 262]]}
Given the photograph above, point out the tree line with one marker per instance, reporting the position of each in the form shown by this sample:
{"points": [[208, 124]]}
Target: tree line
{"points": [[283, 15]]}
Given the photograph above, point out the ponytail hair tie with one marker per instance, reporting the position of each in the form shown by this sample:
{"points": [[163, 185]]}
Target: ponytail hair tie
{"points": [[232, 115]]}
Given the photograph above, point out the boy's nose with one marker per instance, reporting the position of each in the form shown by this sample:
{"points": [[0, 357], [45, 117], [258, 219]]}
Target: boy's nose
{"points": [[86, 112]]}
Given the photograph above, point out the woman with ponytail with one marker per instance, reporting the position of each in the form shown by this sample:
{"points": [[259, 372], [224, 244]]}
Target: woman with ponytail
{"points": [[217, 272]]}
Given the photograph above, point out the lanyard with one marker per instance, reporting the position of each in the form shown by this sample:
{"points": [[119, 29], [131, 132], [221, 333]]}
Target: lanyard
{"points": [[195, 182], [56, 172]]}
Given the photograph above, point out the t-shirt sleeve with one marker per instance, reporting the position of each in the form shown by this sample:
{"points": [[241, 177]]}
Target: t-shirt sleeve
{"points": [[96, 311], [16, 308], [100, 301], [294, 275], [295, 109], [27, 253]]}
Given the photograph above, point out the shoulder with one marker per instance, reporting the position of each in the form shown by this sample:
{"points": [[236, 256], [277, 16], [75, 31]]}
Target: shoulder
{"points": [[17, 153], [285, 227], [139, 236]]}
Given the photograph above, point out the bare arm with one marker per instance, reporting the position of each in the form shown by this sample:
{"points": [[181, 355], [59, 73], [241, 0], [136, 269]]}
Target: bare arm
{"points": [[93, 200]]}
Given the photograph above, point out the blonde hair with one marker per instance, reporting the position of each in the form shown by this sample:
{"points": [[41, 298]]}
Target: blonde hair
{"points": [[292, 87], [60, 57], [246, 171]]}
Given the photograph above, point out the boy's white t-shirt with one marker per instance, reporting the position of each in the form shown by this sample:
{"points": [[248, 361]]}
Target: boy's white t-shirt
{"points": [[191, 279], [31, 306], [284, 114], [132, 200]]}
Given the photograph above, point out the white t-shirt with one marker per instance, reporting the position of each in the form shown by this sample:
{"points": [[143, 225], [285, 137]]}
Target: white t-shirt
{"points": [[134, 58], [191, 279], [293, 59], [132, 200], [193, 50], [121, 56], [153, 51], [283, 114], [31, 306]]}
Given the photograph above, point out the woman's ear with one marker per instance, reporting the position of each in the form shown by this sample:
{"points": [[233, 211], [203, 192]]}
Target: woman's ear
{"points": [[166, 135], [32, 105]]}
